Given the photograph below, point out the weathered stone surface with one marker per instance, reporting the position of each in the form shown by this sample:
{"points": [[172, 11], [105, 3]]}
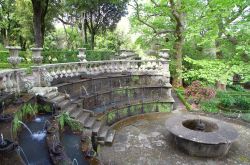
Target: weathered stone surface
{"points": [[129, 148], [201, 136]]}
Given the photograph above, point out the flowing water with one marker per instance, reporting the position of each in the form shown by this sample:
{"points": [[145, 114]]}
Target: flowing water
{"points": [[33, 142], [39, 135], [86, 92], [72, 146]]}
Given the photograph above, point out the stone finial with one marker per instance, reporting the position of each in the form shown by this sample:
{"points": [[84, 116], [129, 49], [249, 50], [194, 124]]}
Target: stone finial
{"points": [[36, 55], [82, 55], [164, 54], [14, 58]]}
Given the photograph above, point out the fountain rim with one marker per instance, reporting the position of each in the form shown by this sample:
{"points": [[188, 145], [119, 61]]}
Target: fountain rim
{"points": [[223, 135]]}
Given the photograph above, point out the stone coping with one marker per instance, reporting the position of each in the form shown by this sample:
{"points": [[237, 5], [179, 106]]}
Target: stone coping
{"points": [[97, 62], [6, 71], [223, 135]]}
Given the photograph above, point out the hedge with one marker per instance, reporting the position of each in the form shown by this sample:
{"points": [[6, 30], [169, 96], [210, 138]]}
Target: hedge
{"points": [[61, 56]]}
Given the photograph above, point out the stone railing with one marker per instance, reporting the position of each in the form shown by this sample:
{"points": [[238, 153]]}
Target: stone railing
{"points": [[15, 80], [47, 73], [12, 80]]}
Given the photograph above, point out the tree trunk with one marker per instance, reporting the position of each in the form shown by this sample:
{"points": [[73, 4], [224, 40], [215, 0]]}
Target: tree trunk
{"points": [[39, 13], [92, 44], [178, 45], [37, 22], [85, 31], [177, 77]]}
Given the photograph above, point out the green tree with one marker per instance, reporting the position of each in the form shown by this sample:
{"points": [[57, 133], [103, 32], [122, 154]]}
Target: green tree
{"points": [[163, 19], [96, 16]]}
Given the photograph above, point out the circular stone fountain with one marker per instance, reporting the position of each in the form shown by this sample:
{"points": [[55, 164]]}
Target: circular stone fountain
{"points": [[201, 136]]}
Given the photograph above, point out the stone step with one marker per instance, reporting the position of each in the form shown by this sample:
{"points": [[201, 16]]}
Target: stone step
{"points": [[63, 104], [70, 108], [110, 137], [51, 95], [90, 122], [96, 128], [78, 103], [83, 117], [76, 113], [102, 133], [58, 99]]}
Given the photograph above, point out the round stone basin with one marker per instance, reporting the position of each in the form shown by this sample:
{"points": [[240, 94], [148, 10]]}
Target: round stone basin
{"points": [[201, 136]]}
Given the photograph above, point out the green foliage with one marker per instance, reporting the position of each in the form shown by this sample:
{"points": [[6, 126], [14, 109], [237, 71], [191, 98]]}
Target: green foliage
{"points": [[180, 95], [18, 116], [44, 108], [233, 101], [64, 119], [209, 106], [29, 109], [209, 71], [227, 101], [237, 88], [242, 102], [98, 55]]}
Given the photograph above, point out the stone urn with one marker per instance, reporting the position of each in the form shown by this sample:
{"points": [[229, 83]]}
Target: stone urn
{"points": [[14, 58], [36, 55], [82, 55], [164, 54]]}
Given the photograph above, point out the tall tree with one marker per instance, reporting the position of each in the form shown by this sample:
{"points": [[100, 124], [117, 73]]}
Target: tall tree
{"points": [[8, 22], [40, 8], [164, 19], [93, 15]]}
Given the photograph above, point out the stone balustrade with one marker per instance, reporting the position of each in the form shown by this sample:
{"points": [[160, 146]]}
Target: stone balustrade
{"points": [[12, 80], [48, 72]]}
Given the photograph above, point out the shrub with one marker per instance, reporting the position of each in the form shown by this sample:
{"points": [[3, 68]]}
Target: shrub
{"points": [[237, 88], [227, 101], [3, 56], [208, 71], [242, 102], [209, 106], [198, 92]]}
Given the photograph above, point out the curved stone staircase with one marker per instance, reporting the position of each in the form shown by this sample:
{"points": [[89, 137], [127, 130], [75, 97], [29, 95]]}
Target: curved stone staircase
{"points": [[87, 118]]}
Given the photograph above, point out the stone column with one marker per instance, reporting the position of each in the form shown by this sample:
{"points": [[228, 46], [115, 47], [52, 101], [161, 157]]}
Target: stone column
{"points": [[14, 58], [36, 55], [36, 73], [82, 55], [164, 61]]}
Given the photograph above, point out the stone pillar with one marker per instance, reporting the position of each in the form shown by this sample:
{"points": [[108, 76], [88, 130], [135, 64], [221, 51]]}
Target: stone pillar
{"points": [[14, 58], [36, 55], [82, 55], [164, 61], [36, 73]]}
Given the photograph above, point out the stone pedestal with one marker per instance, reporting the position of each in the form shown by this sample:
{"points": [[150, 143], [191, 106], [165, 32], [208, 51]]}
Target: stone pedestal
{"points": [[14, 58], [82, 55], [36, 55]]}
